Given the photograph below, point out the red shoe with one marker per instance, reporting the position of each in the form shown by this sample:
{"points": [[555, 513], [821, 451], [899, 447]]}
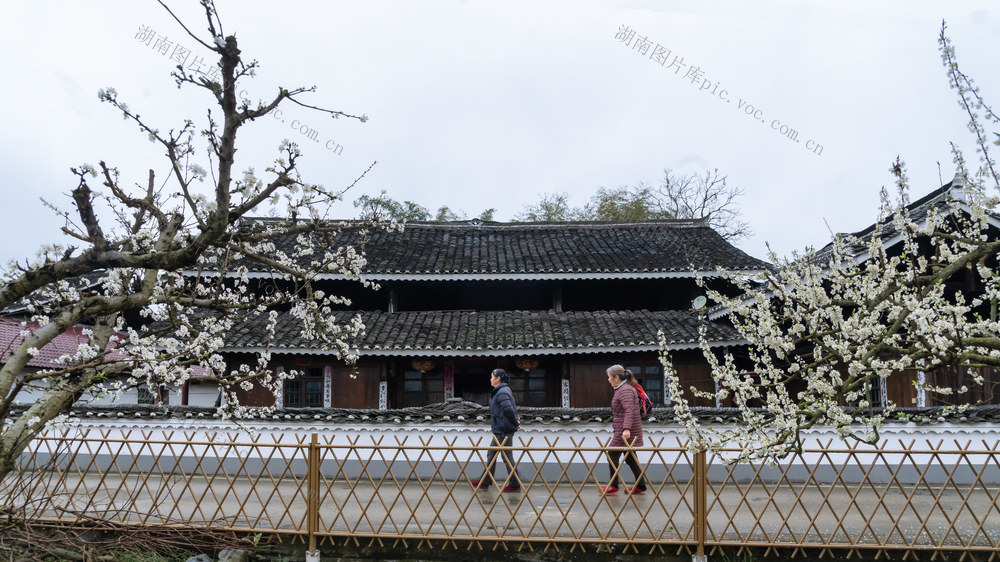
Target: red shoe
{"points": [[636, 491], [512, 488], [609, 490], [474, 483]]}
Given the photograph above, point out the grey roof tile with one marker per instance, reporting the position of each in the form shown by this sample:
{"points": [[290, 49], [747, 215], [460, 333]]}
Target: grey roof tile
{"points": [[938, 199], [491, 248], [476, 332]]}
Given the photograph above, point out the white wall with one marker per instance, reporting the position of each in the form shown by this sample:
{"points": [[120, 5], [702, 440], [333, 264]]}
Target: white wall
{"points": [[199, 394], [202, 394], [580, 445]]}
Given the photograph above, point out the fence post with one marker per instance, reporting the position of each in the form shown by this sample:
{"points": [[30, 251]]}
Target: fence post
{"points": [[312, 503], [700, 505]]}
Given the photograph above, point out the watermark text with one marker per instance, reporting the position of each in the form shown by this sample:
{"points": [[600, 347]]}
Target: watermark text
{"points": [[183, 57], [301, 128], [673, 62], [178, 53]]}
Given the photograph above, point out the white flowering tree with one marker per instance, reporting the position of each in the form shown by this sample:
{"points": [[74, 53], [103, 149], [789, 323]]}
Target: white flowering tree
{"points": [[157, 273], [824, 327]]}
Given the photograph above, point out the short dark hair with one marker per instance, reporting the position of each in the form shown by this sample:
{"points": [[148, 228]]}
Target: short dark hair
{"points": [[502, 375]]}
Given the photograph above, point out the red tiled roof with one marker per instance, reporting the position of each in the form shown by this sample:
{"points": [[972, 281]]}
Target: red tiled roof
{"points": [[65, 343]]}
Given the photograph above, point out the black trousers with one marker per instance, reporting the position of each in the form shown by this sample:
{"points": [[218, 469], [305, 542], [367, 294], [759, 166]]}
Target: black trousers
{"points": [[633, 463], [506, 440]]}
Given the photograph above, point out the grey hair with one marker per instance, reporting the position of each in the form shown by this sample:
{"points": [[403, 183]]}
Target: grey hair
{"points": [[622, 373]]}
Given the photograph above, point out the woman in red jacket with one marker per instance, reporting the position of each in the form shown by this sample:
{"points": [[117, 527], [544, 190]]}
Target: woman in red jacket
{"points": [[626, 417]]}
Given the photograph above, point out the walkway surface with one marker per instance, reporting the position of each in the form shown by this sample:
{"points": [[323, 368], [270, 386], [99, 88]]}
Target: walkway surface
{"points": [[758, 513]]}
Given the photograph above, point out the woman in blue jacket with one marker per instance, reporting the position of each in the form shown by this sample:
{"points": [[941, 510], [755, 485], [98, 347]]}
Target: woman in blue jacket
{"points": [[503, 422]]}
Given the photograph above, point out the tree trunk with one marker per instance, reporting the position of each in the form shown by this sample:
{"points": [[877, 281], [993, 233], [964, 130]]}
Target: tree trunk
{"points": [[28, 425]]}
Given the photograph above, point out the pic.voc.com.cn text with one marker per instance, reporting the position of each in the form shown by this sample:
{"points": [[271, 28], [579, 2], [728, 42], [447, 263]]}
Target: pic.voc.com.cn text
{"points": [[671, 61], [192, 63]]}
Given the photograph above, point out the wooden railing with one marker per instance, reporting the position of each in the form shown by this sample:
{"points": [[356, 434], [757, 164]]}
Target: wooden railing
{"points": [[835, 498]]}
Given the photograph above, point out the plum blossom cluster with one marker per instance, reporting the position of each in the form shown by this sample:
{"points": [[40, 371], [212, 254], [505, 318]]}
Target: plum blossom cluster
{"points": [[157, 270], [824, 328]]}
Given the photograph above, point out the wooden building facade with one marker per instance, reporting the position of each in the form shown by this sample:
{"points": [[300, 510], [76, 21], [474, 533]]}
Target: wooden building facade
{"points": [[552, 303]]}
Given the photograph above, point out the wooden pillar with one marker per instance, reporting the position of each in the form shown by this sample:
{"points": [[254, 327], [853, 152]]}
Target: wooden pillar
{"points": [[700, 507], [449, 379], [312, 522]]}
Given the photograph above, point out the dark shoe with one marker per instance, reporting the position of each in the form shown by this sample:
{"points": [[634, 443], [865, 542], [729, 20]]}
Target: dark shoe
{"points": [[636, 491], [609, 490], [512, 488]]}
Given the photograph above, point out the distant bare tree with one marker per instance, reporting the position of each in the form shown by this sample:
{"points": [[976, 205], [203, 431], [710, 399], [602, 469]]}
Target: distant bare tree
{"points": [[699, 196]]}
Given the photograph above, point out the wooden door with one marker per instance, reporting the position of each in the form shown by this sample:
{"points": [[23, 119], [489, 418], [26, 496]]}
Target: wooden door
{"points": [[588, 386], [360, 392]]}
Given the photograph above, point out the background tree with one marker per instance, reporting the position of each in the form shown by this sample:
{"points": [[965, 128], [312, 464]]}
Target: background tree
{"points": [[623, 204], [384, 207], [137, 252], [834, 323], [699, 196], [444, 214], [695, 196], [551, 207]]}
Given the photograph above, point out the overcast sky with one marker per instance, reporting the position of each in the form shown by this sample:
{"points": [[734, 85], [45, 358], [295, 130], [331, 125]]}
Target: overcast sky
{"points": [[486, 104]]}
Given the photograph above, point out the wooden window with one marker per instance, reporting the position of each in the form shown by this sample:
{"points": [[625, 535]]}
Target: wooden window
{"points": [[420, 389], [305, 390], [530, 388], [145, 396], [876, 394], [161, 396], [651, 379]]}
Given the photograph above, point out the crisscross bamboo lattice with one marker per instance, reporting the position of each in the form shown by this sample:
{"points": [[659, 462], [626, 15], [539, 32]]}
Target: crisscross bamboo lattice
{"points": [[915, 495]]}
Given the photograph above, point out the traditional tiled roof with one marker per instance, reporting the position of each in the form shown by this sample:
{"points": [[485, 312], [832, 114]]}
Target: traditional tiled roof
{"points": [[471, 249], [495, 333], [81, 283], [66, 343], [953, 191]]}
